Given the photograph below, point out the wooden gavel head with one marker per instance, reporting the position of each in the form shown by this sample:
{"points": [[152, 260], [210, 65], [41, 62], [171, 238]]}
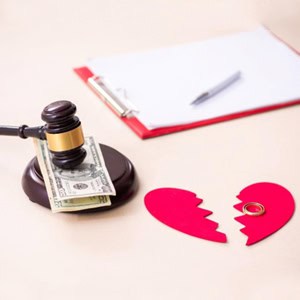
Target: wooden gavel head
{"points": [[62, 131], [64, 134]]}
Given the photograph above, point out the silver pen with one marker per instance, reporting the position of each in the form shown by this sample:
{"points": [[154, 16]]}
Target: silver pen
{"points": [[218, 88]]}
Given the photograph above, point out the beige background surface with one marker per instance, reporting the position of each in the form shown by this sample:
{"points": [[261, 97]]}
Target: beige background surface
{"points": [[125, 253]]}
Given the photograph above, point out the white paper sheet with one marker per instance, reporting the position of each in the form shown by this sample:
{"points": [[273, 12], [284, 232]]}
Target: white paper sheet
{"points": [[162, 83]]}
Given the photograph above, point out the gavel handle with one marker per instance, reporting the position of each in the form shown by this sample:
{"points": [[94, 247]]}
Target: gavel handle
{"points": [[24, 131]]}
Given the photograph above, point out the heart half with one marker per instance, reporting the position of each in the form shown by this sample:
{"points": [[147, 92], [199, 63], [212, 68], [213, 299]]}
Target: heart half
{"points": [[278, 205], [179, 210]]}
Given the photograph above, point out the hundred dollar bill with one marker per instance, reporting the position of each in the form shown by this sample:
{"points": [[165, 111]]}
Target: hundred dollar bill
{"points": [[86, 181], [79, 203]]}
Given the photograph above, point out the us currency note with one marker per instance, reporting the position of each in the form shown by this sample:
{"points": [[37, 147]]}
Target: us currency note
{"points": [[89, 182], [77, 204]]}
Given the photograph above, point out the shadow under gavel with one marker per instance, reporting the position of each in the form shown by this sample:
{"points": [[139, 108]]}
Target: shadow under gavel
{"points": [[65, 139]]}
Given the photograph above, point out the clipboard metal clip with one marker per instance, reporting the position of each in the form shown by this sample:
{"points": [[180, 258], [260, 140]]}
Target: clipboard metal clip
{"points": [[103, 89]]}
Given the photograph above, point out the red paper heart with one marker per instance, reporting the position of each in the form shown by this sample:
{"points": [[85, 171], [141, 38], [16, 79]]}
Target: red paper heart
{"points": [[179, 210], [279, 207]]}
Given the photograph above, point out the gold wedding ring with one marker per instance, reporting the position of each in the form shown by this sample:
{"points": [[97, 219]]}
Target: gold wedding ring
{"points": [[260, 209], [65, 141]]}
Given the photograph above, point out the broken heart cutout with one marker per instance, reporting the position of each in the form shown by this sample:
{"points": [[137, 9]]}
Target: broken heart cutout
{"points": [[179, 210], [266, 206]]}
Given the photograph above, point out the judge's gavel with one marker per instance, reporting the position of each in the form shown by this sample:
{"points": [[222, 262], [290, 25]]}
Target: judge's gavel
{"points": [[62, 131]]}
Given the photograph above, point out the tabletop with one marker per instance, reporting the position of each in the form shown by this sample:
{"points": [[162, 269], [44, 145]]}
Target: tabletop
{"points": [[125, 253]]}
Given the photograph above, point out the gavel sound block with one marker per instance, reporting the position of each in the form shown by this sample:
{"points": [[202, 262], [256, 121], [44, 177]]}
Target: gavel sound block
{"points": [[65, 140]]}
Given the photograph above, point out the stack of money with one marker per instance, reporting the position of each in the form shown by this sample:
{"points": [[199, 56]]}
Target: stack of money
{"points": [[84, 187]]}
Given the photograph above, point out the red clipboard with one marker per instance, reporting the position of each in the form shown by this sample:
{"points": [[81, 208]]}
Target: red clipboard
{"points": [[85, 73]]}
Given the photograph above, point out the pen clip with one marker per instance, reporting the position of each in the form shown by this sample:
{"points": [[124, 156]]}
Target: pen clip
{"points": [[101, 88]]}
